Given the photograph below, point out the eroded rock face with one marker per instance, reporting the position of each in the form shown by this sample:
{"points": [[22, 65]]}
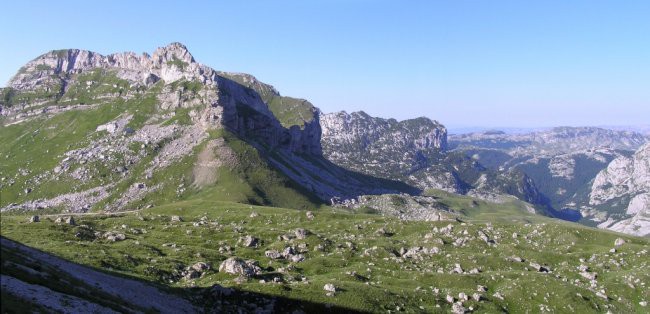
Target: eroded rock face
{"points": [[626, 181], [356, 135]]}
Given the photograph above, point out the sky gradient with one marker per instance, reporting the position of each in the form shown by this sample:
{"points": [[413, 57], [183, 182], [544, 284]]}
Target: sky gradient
{"points": [[463, 63]]}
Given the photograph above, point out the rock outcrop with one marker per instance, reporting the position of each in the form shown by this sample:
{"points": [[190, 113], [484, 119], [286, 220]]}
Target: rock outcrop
{"points": [[625, 184]]}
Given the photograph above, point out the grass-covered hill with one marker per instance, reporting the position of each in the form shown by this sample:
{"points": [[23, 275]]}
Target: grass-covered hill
{"points": [[502, 262]]}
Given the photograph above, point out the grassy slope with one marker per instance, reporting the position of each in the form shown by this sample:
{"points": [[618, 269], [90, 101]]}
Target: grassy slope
{"points": [[388, 283]]}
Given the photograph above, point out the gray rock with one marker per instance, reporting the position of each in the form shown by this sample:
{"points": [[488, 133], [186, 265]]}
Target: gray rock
{"points": [[114, 236], [288, 252], [450, 298], [458, 308], [273, 254], [34, 218], [201, 266], [237, 266], [539, 268], [191, 274], [329, 287], [177, 218], [589, 275], [249, 241], [297, 258], [619, 242], [302, 233], [70, 221]]}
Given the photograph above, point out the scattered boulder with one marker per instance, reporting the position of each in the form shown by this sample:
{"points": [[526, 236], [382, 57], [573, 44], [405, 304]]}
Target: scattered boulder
{"points": [[237, 266], [195, 271], [273, 254], [297, 258], [288, 252], [114, 236], [619, 242], [383, 232], [539, 268], [329, 287], [191, 274], [458, 308], [302, 233], [588, 275], [516, 259], [248, 241], [309, 215], [201, 266], [70, 221], [34, 218], [253, 215]]}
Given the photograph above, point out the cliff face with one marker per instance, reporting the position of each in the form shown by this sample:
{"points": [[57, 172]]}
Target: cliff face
{"points": [[625, 184], [375, 145]]}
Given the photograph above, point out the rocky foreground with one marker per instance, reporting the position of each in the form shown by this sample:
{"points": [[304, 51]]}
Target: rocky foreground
{"points": [[222, 256]]}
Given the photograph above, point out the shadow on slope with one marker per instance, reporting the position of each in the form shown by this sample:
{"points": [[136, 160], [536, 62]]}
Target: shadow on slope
{"points": [[67, 285]]}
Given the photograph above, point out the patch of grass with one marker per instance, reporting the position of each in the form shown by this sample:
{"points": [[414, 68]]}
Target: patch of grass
{"points": [[291, 111], [178, 63]]}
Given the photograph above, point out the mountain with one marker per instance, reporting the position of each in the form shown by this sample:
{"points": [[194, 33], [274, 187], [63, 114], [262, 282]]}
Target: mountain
{"points": [[564, 163], [84, 131], [414, 152], [551, 142]]}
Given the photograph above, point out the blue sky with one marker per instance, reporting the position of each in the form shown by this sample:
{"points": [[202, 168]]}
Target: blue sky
{"points": [[464, 63]]}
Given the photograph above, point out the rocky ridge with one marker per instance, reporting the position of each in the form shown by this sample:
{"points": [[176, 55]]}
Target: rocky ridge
{"points": [[173, 106], [415, 152]]}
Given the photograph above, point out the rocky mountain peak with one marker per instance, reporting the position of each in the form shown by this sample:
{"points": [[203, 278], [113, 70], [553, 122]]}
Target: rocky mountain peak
{"points": [[170, 63], [172, 53]]}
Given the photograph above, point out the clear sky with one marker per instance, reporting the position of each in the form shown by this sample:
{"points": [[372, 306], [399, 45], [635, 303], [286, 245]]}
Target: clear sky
{"points": [[464, 63]]}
